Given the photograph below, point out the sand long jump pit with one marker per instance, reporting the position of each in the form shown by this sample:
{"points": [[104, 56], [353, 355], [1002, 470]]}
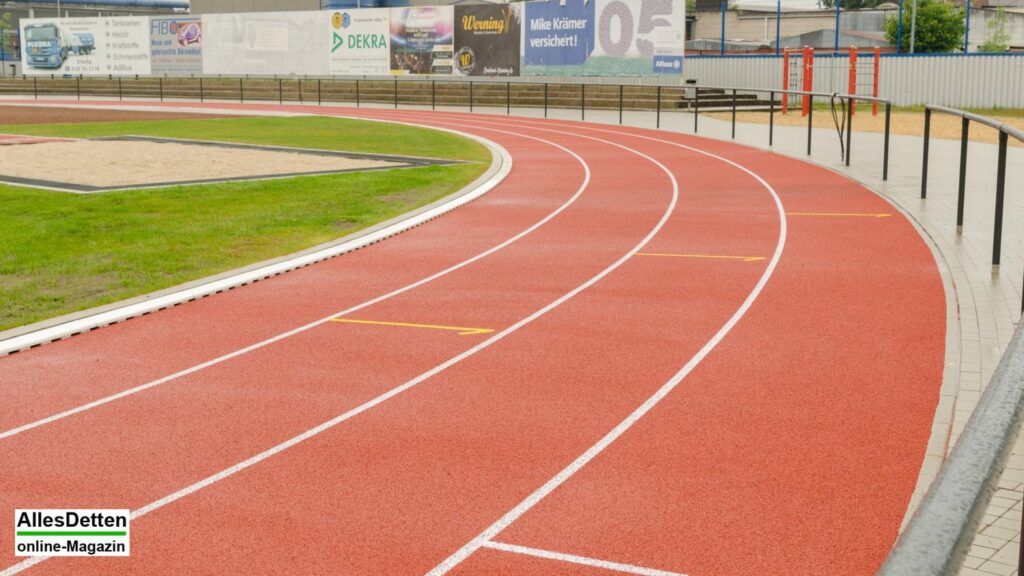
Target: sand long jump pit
{"points": [[128, 162]]}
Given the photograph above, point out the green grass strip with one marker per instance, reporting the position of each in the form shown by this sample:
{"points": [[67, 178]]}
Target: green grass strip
{"points": [[65, 252], [70, 533]]}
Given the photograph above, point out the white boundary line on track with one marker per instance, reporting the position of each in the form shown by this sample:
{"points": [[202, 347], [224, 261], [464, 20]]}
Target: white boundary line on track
{"points": [[256, 459], [530, 501], [574, 559], [130, 391], [79, 325]]}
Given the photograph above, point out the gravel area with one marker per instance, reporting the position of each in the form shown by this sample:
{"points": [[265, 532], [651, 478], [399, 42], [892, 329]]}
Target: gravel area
{"points": [[119, 163]]}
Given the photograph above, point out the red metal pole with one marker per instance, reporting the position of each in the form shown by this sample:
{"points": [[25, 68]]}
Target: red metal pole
{"points": [[874, 91], [853, 79], [785, 80], [808, 69]]}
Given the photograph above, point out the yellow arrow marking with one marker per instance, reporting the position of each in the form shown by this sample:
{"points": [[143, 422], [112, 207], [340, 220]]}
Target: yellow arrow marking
{"points": [[716, 256], [463, 331], [861, 214]]}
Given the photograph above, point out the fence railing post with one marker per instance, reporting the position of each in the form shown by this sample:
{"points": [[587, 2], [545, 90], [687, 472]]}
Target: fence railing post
{"points": [[201, 90], [733, 113], [120, 93], [997, 239], [771, 118], [696, 107], [657, 110], [161, 79], [583, 101], [849, 129], [508, 98], [396, 93], [470, 95], [433, 94], [280, 91], [35, 88], [962, 189], [241, 90], [924, 160], [885, 148], [545, 99], [810, 121], [620, 103], [319, 102]]}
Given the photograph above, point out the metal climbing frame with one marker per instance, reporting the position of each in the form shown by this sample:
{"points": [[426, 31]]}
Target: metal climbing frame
{"points": [[798, 78]]}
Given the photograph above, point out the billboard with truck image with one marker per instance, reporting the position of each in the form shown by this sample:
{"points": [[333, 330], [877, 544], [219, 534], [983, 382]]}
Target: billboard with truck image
{"points": [[86, 46]]}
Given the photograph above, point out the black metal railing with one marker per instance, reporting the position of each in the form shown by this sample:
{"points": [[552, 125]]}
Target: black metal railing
{"points": [[1005, 133], [431, 92]]}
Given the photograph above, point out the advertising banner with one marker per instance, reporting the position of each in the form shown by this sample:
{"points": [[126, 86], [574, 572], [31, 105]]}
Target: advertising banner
{"points": [[487, 40], [421, 40], [604, 37], [265, 43], [359, 41], [86, 46], [176, 45]]}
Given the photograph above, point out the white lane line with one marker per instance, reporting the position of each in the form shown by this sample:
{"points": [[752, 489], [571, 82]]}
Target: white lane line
{"points": [[314, 324], [574, 559], [582, 460], [252, 461]]}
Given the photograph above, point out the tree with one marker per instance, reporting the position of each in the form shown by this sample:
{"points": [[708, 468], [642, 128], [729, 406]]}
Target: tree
{"points": [[8, 36], [940, 27], [998, 38]]}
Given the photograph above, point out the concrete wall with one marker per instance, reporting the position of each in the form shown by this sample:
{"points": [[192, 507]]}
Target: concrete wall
{"points": [[972, 80]]}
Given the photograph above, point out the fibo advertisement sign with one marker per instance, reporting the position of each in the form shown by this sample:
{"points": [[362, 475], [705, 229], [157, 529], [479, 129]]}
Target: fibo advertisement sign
{"points": [[176, 45]]}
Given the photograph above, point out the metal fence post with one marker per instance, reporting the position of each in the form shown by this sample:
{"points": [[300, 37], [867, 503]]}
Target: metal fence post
{"points": [[696, 107], [280, 91], [35, 88], [771, 117], [924, 161], [620, 103], [508, 98], [120, 94], [810, 121], [997, 239], [885, 151], [201, 91], [396, 93], [78, 87], [357, 93], [849, 129], [962, 190], [433, 94], [545, 99], [733, 113], [319, 102], [583, 101], [470, 95], [657, 110], [241, 90]]}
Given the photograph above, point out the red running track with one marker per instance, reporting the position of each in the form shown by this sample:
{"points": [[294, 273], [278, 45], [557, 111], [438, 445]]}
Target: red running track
{"points": [[660, 414]]}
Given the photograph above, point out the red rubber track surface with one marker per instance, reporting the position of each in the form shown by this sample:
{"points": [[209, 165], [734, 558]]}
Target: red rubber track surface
{"points": [[792, 448]]}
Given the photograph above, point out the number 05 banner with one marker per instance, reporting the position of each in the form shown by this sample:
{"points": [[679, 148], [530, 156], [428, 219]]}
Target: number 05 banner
{"points": [[603, 37]]}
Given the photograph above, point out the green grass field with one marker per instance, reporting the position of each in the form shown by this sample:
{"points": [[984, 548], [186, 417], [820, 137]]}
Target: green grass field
{"points": [[63, 252]]}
